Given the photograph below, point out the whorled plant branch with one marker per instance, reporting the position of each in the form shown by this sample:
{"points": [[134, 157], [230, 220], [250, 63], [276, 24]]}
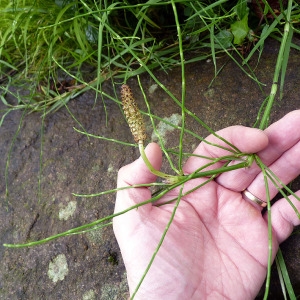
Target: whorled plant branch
{"points": [[138, 130]]}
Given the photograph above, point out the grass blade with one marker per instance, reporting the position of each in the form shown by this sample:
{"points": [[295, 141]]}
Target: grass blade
{"points": [[281, 266]]}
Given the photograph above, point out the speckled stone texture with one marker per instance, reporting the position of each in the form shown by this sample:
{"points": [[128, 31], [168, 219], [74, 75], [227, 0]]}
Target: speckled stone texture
{"points": [[45, 162]]}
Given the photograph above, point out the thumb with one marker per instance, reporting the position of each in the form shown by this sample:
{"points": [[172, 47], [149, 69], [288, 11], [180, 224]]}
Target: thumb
{"points": [[137, 173]]}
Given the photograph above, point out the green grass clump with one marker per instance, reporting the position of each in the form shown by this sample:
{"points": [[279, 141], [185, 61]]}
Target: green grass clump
{"points": [[49, 44]]}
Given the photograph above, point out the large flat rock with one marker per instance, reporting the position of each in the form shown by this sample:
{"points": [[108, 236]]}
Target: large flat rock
{"points": [[44, 161]]}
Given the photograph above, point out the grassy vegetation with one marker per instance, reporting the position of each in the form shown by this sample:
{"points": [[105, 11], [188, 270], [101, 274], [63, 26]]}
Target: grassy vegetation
{"points": [[50, 45], [46, 46]]}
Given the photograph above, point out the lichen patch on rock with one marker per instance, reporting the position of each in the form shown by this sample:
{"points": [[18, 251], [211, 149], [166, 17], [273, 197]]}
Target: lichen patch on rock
{"points": [[66, 212], [163, 128], [58, 268], [153, 88], [89, 295]]}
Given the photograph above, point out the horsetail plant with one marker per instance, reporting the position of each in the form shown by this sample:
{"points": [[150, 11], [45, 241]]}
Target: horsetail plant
{"points": [[138, 129], [133, 115]]}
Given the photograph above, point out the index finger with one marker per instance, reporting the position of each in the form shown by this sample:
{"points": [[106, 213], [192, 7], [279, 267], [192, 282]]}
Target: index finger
{"points": [[283, 137], [247, 140]]}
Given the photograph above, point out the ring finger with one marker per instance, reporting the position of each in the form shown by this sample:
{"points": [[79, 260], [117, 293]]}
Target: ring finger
{"points": [[286, 168]]}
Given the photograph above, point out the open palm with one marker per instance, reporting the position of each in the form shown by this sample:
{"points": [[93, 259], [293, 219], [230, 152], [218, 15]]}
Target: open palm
{"points": [[217, 245]]}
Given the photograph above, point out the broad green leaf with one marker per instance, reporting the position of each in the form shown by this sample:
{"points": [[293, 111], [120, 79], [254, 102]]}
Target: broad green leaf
{"points": [[224, 38], [241, 9], [240, 30]]}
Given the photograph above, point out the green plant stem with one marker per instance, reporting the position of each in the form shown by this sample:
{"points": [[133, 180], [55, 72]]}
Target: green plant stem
{"points": [[188, 112], [99, 221], [270, 235], [216, 171], [170, 178], [119, 189], [279, 64], [178, 180], [155, 129], [281, 266], [89, 225], [183, 89], [159, 243]]}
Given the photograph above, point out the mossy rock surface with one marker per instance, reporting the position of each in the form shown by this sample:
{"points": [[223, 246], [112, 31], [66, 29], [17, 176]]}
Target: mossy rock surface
{"points": [[40, 183]]}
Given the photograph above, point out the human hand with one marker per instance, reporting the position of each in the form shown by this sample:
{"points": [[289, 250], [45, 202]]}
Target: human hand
{"points": [[217, 244]]}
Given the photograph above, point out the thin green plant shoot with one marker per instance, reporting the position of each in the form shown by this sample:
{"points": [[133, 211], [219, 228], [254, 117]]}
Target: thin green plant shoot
{"points": [[242, 160], [142, 51]]}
